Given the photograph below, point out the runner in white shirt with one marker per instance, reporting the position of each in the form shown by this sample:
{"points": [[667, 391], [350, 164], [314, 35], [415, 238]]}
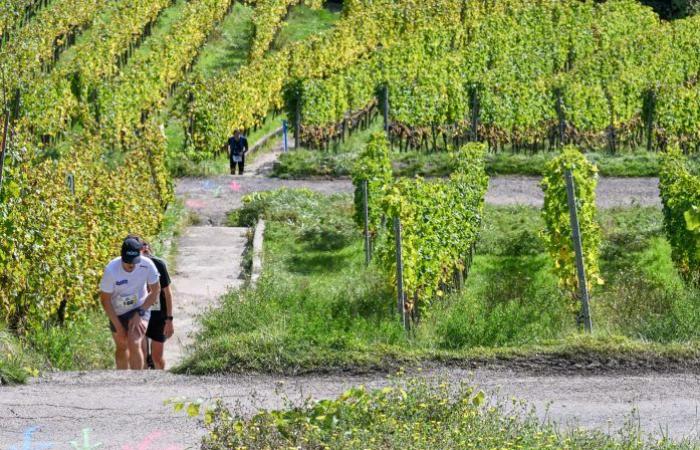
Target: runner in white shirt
{"points": [[129, 287]]}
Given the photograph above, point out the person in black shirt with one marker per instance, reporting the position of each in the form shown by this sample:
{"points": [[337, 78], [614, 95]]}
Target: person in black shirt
{"points": [[237, 148], [160, 326]]}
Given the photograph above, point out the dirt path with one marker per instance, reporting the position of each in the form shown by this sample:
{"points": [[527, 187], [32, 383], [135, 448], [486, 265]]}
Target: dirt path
{"points": [[212, 197], [124, 408]]}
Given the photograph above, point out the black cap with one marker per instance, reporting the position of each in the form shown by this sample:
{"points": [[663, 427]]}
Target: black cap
{"points": [[131, 251]]}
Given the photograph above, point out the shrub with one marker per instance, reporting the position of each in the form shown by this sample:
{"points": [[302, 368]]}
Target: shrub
{"points": [[557, 232], [374, 166], [680, 194]]}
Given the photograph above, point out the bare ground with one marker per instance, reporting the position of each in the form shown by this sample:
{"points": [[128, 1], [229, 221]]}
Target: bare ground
{"points": [[123, 408]]}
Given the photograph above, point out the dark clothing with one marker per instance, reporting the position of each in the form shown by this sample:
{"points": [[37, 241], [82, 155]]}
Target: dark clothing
{"points": [[125, 318], [240, 165], [237, 148], [156, 327], [164, 282]]}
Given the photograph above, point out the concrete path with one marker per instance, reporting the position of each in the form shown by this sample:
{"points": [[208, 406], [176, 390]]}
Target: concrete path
{"points": [[208, 265], [122, 409]]}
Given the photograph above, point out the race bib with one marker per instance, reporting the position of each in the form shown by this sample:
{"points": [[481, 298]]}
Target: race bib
{"points": [[156, 306], [126, 302], [237, 158]]}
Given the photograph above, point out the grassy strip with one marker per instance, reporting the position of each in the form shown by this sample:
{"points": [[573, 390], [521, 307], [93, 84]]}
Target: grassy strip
{"points": [[318, 308], [413, 415], [302, 22], [228, 46]]}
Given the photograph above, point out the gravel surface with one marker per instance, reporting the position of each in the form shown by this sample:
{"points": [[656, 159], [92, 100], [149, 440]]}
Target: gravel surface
{"points": [[211, 198], [122, 409]]}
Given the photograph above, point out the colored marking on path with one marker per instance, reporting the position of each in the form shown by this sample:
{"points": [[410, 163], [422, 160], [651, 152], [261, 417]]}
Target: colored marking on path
{"points": [[235, 187], [195, 203]]}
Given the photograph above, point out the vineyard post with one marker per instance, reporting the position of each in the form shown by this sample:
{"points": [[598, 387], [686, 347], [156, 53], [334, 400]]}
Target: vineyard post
{"points": [[578, 249], [284, 135], [399, 271], [365, 195], [71, 183]]}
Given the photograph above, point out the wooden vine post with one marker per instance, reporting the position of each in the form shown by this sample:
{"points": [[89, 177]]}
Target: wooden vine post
{"points": [[578, 249]]}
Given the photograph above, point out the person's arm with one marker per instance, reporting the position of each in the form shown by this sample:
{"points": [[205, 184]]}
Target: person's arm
{"points": [[153, 295], [169, 329], [106, 300], [245, 145]]}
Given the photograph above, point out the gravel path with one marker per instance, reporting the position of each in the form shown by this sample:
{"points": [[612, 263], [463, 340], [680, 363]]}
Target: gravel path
{"points": [[122, 409], [212, 197]]}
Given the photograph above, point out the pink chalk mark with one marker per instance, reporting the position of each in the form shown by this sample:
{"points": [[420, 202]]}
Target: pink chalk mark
{"points": [[148, 440], [195, 204], [235, 187]]}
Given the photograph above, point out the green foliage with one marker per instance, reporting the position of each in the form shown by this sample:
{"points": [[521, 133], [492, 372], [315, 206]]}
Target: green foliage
{"points": [[602, 74], [55, 243], [413, 414], [241, 100], [440, 221], [62, 96], [373, 166], [557, 232], [144, 84], [680, 194], [267, 20]]}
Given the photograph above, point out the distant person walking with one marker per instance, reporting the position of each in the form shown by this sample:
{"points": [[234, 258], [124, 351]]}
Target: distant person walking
{"points": [[129, 287], [237, 148], [160, 326]]}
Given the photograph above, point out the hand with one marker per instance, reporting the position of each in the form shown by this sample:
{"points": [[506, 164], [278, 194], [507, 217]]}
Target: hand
{"points": [[137, 326], [169, 329]]}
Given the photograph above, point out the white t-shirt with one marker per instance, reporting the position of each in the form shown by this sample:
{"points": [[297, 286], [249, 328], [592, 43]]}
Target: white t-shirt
{"points": [[128, 289]]}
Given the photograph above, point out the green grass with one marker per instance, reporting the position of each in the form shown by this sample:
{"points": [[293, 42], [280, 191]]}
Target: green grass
{"points": [[414, 414], [317, 307], [227, 47], [302, 22]]}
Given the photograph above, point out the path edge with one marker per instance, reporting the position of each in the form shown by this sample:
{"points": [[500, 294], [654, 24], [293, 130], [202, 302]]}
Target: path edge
{"points": [[258, 237]]}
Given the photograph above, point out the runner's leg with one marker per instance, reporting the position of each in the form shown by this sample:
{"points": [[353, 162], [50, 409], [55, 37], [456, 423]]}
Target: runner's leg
{"points": [[121, 354], [240, 165], [157, 353], [137, 331]]}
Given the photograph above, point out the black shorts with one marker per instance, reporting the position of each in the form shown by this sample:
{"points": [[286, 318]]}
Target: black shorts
{"points": [[156, 327], [124, 319]]}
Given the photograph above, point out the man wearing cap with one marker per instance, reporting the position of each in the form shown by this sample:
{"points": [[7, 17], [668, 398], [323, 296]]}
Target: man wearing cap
{"points": [[129, 287]]}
